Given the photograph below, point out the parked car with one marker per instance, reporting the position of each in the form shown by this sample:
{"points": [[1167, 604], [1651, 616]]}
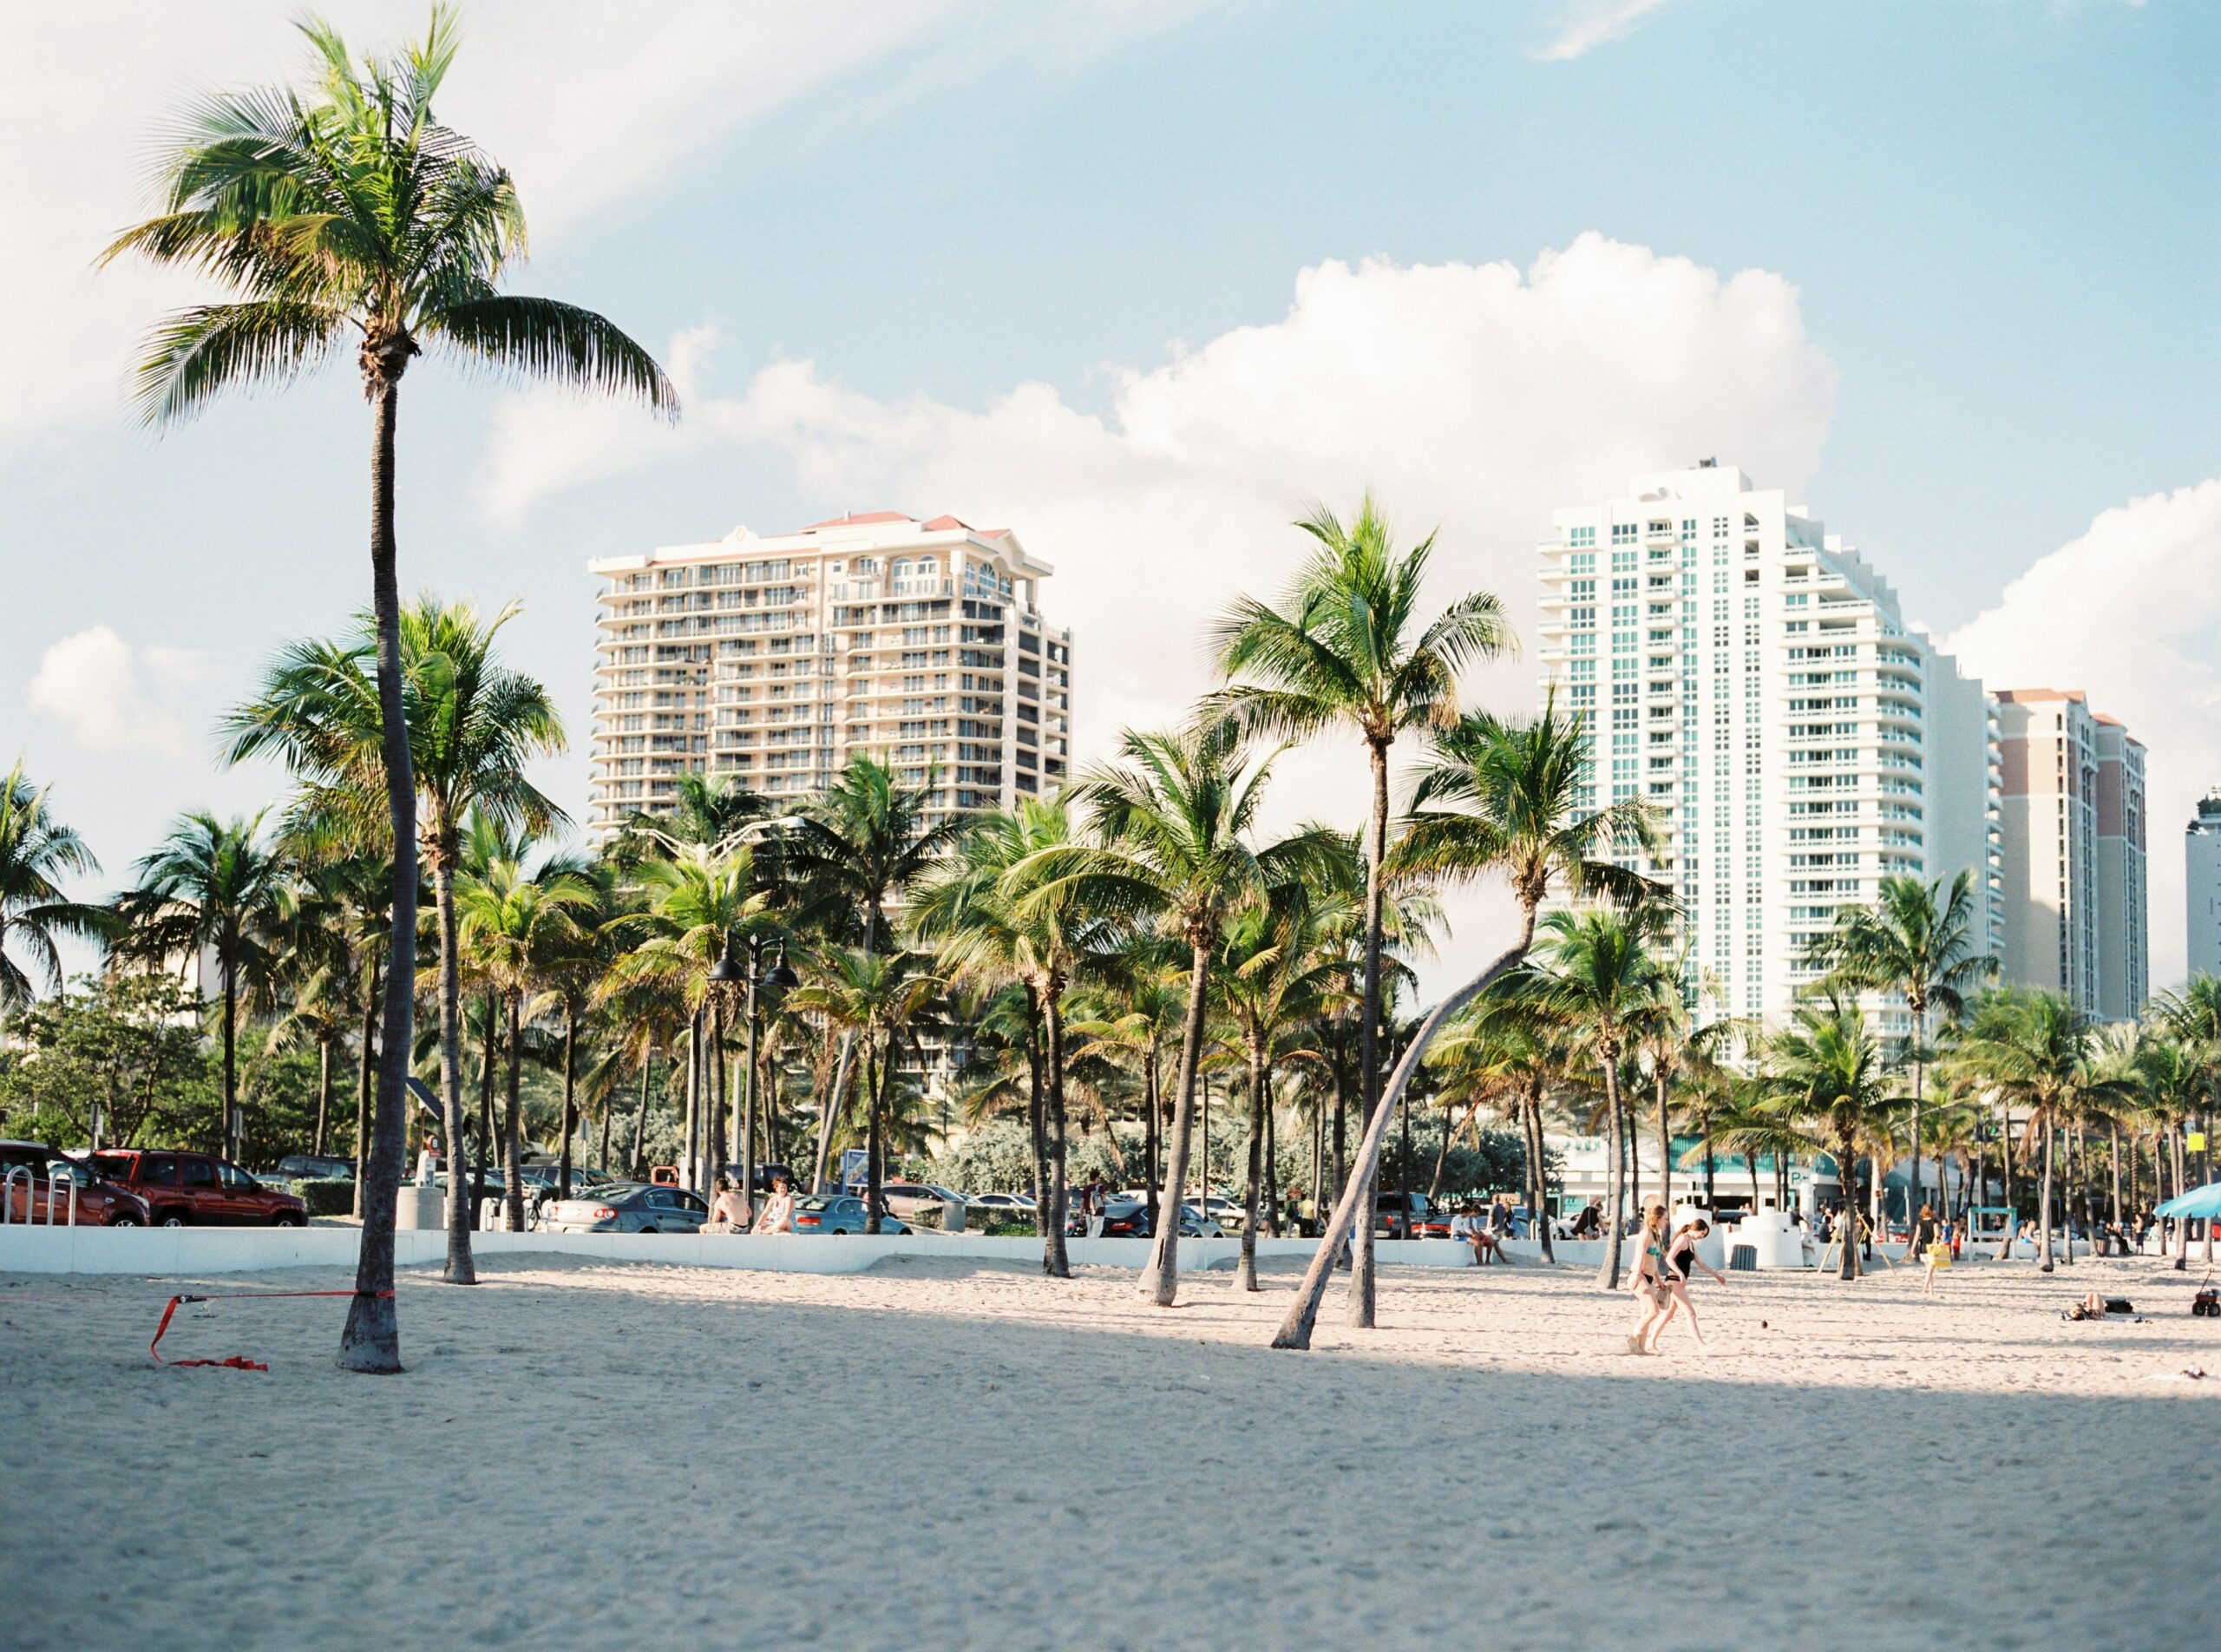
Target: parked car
{"points": [[903, 1199], [199, 1190], [1397, 1216], [315, 1167], [1125, 1218], [627, 1207], [838, 1213], [101, 1202], [1000, 1200]]}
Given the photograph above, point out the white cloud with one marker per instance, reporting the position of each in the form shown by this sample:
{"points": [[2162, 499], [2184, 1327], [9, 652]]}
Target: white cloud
{"points": [[1471, 397], [2130, 613], [1591, 24], [91, 683], [586, 101]]}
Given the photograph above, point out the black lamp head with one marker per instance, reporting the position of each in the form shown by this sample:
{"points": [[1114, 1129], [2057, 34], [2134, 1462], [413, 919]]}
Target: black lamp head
{"points": [[779, 974], [727, 969]]}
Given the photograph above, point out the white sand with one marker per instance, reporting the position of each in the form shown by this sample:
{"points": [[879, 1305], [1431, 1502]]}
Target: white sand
{"points": [[943, 1454]]}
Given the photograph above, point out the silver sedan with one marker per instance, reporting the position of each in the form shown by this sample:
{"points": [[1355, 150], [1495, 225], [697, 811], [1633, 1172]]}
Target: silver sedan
{"points": [[627, 1208]]}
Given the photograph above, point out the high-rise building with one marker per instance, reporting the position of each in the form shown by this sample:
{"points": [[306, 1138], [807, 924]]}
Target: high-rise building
{"points": [[1750, 675], [2075, 913], [772, 661], [2202, 886]]}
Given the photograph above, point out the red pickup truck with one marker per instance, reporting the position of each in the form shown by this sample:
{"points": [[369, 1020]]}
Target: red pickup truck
{"points": [[199, 1190], [37, 1190]]}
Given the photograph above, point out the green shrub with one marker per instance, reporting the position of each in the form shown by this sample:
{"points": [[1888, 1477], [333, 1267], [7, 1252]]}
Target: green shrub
{"points": [[325, 1199]]}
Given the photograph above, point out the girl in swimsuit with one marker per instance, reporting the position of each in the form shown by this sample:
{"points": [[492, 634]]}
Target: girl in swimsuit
{"points": [[1647, 1280], [1681, 1261]]}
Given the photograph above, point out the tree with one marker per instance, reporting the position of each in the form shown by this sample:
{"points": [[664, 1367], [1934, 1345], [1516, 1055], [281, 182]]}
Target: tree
{"points": [[472, 725], [1171, 826], [1824, 1074], [2191, 1015], [1919, 941], [1495, 798], [214, 887], [877, 996], [519, 925], [37, 851], [851, 853], [2038, 1050], [1346, 650], [346, 212]]}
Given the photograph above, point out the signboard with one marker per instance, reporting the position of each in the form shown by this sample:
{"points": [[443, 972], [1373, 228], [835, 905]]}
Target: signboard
{"points": [[856, 1169], [2196, 1141]]}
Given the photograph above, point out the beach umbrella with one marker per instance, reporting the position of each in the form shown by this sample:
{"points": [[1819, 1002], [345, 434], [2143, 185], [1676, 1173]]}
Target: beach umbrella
{"points": [[2199, 1202]]}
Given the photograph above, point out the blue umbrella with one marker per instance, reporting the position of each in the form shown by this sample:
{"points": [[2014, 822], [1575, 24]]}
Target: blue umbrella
{"points": [[2199, 1202]]}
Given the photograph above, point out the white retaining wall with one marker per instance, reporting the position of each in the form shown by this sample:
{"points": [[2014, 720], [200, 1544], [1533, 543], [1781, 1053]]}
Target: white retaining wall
{"points": [[191, 1252]]}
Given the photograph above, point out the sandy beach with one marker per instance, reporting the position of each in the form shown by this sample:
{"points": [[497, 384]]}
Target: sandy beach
{"points": [[946, 1453]]}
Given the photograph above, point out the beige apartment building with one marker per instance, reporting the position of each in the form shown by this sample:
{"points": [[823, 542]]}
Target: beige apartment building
{"points": [[772, 661], [2075, 903]]}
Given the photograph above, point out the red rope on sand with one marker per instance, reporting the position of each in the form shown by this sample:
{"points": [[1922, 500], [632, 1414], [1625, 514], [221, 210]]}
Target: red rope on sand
{"points": [[236, 1362]]}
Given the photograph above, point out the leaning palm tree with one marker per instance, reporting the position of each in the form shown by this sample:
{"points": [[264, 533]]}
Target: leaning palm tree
{"points": [[217, 887], [473, 726], [1172, 824], [1497, 798], [1917, 940], [37, 851], [345, 212], [1348, 650], [518, 925]]}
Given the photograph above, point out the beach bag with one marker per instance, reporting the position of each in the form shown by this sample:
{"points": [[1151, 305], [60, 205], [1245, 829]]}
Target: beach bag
{"points": [[1939, 1256]]}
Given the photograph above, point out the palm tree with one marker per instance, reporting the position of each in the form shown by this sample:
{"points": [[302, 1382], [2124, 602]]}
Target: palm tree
{"points": [[1496, 797], [1346, 650], [1171, 825], [1135, 1023], [473, 725], [346, 212], [878, 997], [518, 925], [1598, 979], [1824, 1078], [2038, 1050], [213, 886], [37, 851], [2191, 1015], [852, 854], [1919, 941], [977, 910]]}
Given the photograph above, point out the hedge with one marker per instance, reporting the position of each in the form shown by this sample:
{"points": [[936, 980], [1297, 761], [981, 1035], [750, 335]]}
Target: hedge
{"points": [[325, 1197]]}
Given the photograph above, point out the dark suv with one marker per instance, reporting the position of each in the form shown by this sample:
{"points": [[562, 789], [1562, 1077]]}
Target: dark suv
{"points": [[45, 1197], [199, 1190]]}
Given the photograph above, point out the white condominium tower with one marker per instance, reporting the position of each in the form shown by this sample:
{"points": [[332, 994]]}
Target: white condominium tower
{"points": [[2075, 909], [2202, 888], [1748, 675], [773, 661]]}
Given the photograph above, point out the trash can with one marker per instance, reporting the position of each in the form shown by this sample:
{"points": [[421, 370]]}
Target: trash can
{"points": [[418, 1207]]}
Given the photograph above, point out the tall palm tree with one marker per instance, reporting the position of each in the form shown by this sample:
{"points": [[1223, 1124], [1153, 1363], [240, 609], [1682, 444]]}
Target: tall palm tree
{"points": [[1918, 940], [1824, 1074], [517, 925], [37, 852], [339, 213], [473, 725], [2040, 1051], [2191, 1014], [219, 888], [1495, 798], [850, 856], [1171, 825], [1134, 1025], [976, 909], [1347, 649]]}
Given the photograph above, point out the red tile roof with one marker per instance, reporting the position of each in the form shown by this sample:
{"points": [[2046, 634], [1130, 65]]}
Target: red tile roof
{"points": [[851, 518]]}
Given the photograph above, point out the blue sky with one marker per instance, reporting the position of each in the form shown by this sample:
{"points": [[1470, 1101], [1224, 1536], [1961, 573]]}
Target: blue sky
{"points": [[1979, 331]]}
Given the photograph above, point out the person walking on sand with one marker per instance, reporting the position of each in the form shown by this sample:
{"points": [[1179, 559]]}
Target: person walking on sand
{"points": [[1680, 1261], [1930, 1244], [1646, 1279], [778, 1210]]}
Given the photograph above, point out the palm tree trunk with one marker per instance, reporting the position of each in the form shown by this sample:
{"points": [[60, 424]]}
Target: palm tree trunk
{"points": [[461, 1268], [875, 1104], [1362, 1286], [488, 1058], [369, 1077], [713, 1134], [512, 1121], [1271, 1158], [1160, 1281], [1442, 1153], [1847, 1172], [231, 1133], [570, 1095], [1245, 1275], [2043, 1201], [640, 1119], [1919, 1087], [1037, 1118], [372, 1340], [2005, 1162], [1152, 1133], [1539, 1210], [1054, 1260], [1659, 1084], [322, 1093], [1608, 1271], [1303, 1315], [690, 1142]]}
